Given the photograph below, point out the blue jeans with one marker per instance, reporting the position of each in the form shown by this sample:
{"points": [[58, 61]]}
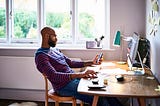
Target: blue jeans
{"points": [[71, 90]]}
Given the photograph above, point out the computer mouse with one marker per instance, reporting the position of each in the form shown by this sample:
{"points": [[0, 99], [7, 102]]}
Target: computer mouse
{"points": [[95, 81], [119, 77]]}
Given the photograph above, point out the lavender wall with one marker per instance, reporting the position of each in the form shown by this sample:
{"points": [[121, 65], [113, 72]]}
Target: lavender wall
{"points": [[128, 16]]}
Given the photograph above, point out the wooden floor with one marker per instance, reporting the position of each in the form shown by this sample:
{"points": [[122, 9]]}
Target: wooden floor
{"points": [[5, 102]]}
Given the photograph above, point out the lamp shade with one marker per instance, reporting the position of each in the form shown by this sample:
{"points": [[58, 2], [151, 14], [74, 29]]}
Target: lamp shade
{"points": [[117, 39]]}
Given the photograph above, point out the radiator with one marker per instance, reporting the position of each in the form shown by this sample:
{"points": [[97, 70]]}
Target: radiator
{"points": [[19, 73]]}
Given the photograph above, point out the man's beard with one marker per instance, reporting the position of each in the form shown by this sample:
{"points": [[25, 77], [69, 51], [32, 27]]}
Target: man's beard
{"points": [[51, 43]]}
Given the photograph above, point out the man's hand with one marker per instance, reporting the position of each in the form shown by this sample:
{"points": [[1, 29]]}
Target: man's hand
{"points": [[98, 59], [85, 74], [89, 74]]}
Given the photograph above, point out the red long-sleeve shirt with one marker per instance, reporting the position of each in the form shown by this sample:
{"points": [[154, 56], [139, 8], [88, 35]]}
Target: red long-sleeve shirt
{"points": [[56, 66]]}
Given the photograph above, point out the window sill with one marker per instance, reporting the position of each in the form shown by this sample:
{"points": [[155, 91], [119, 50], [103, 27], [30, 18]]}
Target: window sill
{"points": [[62, 48], [29, 50]]}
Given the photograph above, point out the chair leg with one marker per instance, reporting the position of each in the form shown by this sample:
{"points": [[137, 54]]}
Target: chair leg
{"points": [[46, 103], [56, 103], [81, 104], [74, 102]]}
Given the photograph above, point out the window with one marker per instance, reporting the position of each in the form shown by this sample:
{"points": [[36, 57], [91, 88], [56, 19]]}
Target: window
{"points": [[90, 19], [25, 19], [58, 16], [2, 20], [75, 21]]}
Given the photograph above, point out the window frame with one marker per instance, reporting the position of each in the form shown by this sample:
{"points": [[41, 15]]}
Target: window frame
{"points": [[41, 22]]}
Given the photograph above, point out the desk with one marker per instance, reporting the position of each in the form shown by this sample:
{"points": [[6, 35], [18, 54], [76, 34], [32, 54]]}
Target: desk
{"points": [[133, 87]]}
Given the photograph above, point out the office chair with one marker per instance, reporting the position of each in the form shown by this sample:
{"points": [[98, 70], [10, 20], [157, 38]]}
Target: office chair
{"points": [[50, 94]]}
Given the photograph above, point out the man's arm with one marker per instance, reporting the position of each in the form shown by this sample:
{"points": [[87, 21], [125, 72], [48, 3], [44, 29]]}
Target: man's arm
{"points": [[88, 63]]}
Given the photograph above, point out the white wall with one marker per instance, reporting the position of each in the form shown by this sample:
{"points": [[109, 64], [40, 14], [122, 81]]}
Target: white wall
{"points": [[155, 43], [17, 65]]}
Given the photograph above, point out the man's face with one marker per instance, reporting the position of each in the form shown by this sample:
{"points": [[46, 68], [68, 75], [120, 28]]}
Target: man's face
{"points": [[52, 39]]}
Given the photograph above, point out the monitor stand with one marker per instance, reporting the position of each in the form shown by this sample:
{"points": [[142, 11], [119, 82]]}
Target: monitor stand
{"points": [[121, 62]]}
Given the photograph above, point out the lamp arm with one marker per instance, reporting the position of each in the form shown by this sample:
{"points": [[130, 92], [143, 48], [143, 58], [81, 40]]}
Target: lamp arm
{"points": [[128, 39]]}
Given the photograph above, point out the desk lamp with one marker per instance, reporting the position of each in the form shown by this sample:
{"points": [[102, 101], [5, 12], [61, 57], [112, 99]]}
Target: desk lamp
{"points": [[117, 39], [117, 42]]}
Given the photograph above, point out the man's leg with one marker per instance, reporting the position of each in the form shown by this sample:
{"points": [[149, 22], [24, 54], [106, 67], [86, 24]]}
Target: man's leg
{"points": [[113, 101], [71, 90]]}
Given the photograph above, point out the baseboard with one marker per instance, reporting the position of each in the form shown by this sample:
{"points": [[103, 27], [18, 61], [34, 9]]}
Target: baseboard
{"points": [[22, 94], [25, 94]]}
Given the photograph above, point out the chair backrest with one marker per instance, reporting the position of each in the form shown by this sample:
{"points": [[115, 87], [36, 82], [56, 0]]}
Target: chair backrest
{"points": [[56, 97], [46, 89]]}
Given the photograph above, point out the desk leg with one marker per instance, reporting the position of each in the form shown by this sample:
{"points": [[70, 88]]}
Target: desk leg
{"points": [[141, 102], [95, 100]]}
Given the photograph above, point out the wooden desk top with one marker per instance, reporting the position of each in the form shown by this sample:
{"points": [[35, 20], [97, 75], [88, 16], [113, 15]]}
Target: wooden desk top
{"points": [[132, 86]]}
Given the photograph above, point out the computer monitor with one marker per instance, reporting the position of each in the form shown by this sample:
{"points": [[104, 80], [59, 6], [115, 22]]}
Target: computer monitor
{"points": [[132, 49]]}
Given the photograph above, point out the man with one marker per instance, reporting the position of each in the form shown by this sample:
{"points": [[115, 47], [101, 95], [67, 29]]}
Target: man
{"points": [[50, 61]]}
